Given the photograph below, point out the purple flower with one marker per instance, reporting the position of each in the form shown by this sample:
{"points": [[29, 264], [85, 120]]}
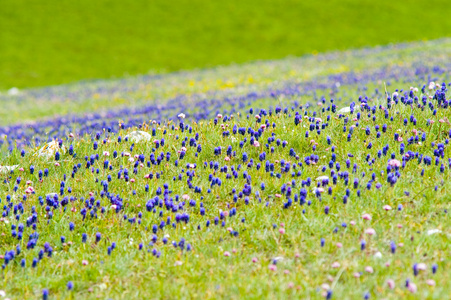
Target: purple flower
{"points": [[45, 294]]}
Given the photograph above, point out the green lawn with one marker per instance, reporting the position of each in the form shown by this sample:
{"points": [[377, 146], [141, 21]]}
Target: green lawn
{"points": [[46, 43]]}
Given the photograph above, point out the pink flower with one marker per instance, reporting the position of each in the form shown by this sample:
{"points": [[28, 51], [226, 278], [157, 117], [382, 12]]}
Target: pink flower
{"points": [[229, 229], [369, 269], [226, 253], [84, 262], [132, 180], [399, 226], [391, 283], [227, 158], [370, 231], [57, 164], [320, 189], [290, 285], [254, 260], [185, 197], [412, 287], [29, 190], [273, 267], [394, 163], [286, 272], [257, 117], [336, 265], [106, 153], [339, 245], [421, 266], [71, 135], [256, 144], [430, 282], [352, 223], [233, 250], [387, 207], [366, 217], [281, 230], [356, 274]]}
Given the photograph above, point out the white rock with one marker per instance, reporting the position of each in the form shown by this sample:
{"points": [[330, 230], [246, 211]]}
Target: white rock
{"points": [[433, 231], [7, 169], [13, 91], [347, 109], [344, 110], [321, 178], [49, 149], [137, 136]]}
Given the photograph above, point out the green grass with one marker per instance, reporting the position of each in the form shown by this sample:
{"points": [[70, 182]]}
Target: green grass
{"points": [[58, 42], [104, 95], [205, 272]]}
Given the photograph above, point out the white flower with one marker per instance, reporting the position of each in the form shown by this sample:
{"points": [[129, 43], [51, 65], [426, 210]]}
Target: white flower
{"points": [[181, 116]]}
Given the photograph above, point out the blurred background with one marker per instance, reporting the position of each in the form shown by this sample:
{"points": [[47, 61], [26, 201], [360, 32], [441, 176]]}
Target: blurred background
{"points": [[53, 42]]}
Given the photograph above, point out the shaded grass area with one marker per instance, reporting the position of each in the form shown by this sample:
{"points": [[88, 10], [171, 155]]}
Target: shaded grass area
{"points": [[52, 43]]}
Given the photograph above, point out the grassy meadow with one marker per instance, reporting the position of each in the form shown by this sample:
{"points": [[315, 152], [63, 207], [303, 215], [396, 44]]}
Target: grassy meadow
{"points": [[59, 42]]}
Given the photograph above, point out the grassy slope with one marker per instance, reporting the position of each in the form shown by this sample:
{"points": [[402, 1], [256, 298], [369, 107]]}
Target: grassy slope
{"points": [[205, 272], [103, 95], [58, 42]]}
